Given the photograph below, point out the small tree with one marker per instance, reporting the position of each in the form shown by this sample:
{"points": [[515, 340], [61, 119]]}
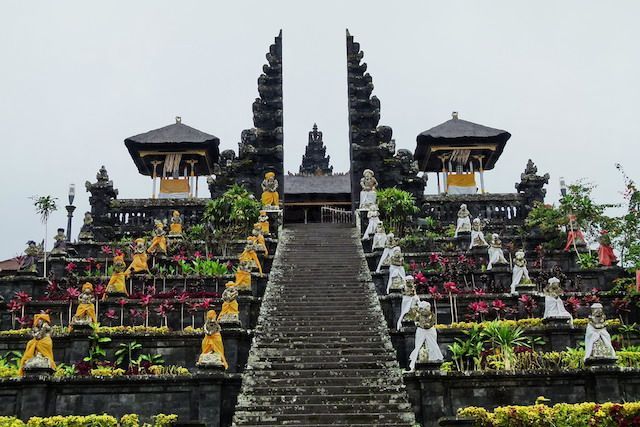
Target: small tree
{"points": [[45, 205], [395, 207], [232, 215]]}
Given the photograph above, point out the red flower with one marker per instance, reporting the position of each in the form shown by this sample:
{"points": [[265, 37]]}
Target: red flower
{"points": [[118, 252], [197, 255], [25, 321], [183, 297], [122, 302], [106, 250], [70, 267], [110, 314], [14, 306], [178, 258], [620, 305], [434, 258], [498, 305], [145, 300], [205, 304], [99, 290], [412, 265], [23, 297], [451, 287], [420, 278], [72, 293], [478, 292], [479, 307], [572, 304]]}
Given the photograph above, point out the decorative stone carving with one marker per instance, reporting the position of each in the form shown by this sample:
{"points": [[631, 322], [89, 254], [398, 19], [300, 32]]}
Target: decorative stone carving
{"points": [[40, 347], [175, 226], [243, 276], [520, 274], [116, 285], [102, 194], [60, 243], [86, 233], [531, 186], [229, 314], [86, 311], [554, 308], [409, 299], [426, 335], [373, 215], [389, 244], [270, 198], [396, 270], [159, 242], [598, 348], [139, 263], [464, 221], [212, 354], [263, 220], [496, 255], [314, 160], [368, 183], [30, 259], [477, 235], [606, 257], [250, 256], [379, 238]]}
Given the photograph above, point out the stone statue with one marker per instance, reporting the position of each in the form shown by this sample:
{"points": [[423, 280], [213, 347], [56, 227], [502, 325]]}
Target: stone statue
{"points": [[597, 341], [606, 257], [258, 238], [270, 197], [464, 221], [139, 262], [477, 236], [263, 219], [39, 351], [229, 314], [389, 244], [426, 335], [409, 299], [396, 270], [374, 219], [379, 238], [175, 227], [60, 243], [86, 234], [520, 274], [116, 285], [574, 234], [86, 311], [496, 255], [553, 305], [30, 260], [249, 255], [212, 355], [243, 275], [368, 192], [159, 241]]}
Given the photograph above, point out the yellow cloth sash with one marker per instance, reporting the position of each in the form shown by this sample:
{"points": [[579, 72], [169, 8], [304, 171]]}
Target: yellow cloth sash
{"points": [[259, 240], [43, 346], [139, 263], [252, 257], [265, 227], [230, 307], [270, 198], [117, 284], [158, 241], [175, 229], [213, 344], [243, 279], [85, 310], [170, 186]]}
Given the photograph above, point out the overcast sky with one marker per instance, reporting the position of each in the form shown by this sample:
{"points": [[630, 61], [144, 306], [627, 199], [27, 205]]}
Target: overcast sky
{"points": [[78, 77]]}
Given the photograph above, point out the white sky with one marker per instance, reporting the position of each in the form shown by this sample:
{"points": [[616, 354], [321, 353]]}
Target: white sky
{"points": [[78, 77]]}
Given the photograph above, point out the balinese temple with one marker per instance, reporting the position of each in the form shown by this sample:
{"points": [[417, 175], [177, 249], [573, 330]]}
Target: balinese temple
{"points": [[315, 190], [176, 155], [315, 160], [458, 151]]}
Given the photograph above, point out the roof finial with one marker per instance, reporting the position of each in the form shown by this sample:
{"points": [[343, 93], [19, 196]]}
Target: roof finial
{"points": [[178, 119], [454, 115]]}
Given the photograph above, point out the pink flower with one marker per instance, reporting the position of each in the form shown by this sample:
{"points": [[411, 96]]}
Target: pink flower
{"points": [[197, 255], [178, 258], [478, 292], [434, 258], [70, 267], [118, 252], [99, 290], [23, 297], [14, 306], [145, 300], [72, 293], [420, 278], [122, 302], [479, 307], [106, 250], [110, 314], [183, 297], [451, 287], [498, 305], [206, 304]]}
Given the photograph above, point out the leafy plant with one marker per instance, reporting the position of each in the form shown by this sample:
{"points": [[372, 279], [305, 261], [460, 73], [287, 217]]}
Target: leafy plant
{"points": [[125, 351], [395, 207], [95, 351], [503, 338]]}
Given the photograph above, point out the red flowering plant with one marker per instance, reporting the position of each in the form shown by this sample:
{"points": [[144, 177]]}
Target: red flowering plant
{"points": [[134, 314], [499, 308], [25, 321], [145, 301], [106, 251], [572, 305], [122, 302], [528, 304], [182, 299], [70, 268], [591, 298], [110, 315], [622, 309], [192, 309], [23, 299], [478, 310], [163, 311], [539, 261]]}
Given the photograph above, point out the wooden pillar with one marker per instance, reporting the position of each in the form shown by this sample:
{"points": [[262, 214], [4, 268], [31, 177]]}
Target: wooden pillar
{"points": [[155, 164], [481, 175]]}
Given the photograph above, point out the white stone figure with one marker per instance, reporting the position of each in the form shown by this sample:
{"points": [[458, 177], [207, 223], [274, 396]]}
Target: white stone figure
{"points": [[396, 269], [426, 335], [373, 215], [389, 244], [409, 298], [477, 236], [520, 274], [597, 341], [464, 220], [553, 304], [496, 255], [368, 192], [379, 238]]}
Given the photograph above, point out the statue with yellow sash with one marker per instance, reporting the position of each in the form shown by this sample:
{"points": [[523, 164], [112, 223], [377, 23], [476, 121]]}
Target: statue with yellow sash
{"points": [[39, 352]]}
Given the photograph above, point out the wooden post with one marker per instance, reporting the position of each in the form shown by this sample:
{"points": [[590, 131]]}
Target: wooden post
{"points": [[481, 175], [155, 164]]}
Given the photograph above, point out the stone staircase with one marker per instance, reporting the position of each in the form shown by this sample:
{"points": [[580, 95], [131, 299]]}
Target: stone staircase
{"points": [[321, 354]]}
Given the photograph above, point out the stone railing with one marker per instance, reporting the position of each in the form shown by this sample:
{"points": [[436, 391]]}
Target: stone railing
{"points": [[503, 209], [134, 217]]}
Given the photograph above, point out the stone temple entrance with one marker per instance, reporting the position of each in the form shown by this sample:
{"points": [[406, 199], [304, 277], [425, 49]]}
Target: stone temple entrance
{"points": [[315, 188]]}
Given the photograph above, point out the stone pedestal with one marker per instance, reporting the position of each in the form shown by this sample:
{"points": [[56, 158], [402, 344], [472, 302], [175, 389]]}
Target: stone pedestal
{"points": [[38, 372], [501, 277], [600, 361], [431, 365], [463, 240], [528, 288], [456, 421], [81, 329]]}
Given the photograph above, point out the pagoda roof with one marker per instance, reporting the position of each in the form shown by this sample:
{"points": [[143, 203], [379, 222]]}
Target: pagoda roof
{"points": [[317, 184], [459, 134], [174, 138]]}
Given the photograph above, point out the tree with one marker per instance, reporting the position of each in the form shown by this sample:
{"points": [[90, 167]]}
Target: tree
{"points": [[395, 207], [45, 205]]}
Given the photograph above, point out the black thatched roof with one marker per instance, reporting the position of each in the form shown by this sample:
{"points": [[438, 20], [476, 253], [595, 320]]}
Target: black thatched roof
{"points": [[176, 137], [460, 133], [323, 184]]}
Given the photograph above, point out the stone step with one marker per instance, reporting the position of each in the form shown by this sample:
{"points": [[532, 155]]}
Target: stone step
{"points": [[321, 408], [317, 345], [346, 418], [287, 374], [303, 399], [329, 390], [347, 351], [371, 364]]}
